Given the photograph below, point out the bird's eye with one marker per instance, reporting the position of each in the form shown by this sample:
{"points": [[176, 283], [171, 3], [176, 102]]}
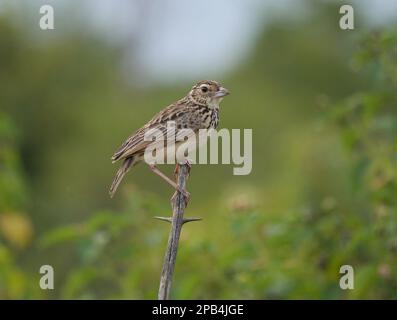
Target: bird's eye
{"points": [[204, 89]]}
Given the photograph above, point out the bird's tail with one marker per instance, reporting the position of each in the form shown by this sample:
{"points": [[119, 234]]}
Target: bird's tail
{"points": [[125, 167]]}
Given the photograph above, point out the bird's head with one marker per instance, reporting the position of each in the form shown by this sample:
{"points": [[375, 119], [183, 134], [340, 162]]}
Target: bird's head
{"points": [[208, 93]]}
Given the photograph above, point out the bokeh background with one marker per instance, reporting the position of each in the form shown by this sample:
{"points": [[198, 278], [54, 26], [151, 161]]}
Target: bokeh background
{"points": [[322, 105]]}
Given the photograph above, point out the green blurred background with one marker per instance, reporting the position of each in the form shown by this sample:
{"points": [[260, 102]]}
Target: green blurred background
{"points": [[323, 190]]}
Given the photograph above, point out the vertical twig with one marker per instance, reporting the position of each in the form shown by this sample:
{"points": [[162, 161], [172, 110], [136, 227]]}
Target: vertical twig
{"points": [[178, 203]]}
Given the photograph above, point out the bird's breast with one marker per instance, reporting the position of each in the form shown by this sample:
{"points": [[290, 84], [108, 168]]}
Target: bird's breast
{"points": [[214, 118], [207, 118]]}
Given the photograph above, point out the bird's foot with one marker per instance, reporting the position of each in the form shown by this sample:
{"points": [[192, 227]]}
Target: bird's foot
{"points": [[185, 194], [187, 162]]}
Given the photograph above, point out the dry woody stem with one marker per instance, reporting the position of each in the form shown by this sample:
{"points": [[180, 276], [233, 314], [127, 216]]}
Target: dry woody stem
{"points": [[178, 203]]}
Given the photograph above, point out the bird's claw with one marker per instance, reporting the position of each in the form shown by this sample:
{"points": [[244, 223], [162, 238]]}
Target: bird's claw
{"points": [[185, 194], [187, 163]]}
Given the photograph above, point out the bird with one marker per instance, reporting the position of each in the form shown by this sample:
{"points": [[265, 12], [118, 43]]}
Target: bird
{"points": [[199, 109]]}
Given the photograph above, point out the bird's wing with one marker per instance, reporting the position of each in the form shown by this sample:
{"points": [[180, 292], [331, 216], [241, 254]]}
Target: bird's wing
{"points": [[133, 144], [136, 143]]}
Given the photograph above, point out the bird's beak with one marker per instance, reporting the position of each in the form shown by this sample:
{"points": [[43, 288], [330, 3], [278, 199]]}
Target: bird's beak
{"points": [[221, 92]]}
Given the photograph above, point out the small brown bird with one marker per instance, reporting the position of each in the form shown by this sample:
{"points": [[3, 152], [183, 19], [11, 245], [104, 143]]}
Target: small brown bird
{"points": [[198, 110]]}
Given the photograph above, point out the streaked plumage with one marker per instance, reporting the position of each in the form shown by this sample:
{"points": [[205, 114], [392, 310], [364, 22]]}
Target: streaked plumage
{"points": [[198, 110]]}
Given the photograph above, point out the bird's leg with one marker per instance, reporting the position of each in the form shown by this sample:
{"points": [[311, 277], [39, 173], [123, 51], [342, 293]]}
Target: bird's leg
{"points": [[189, 164], [176, 170], [163, 176], [169, 181], [186, 197]]}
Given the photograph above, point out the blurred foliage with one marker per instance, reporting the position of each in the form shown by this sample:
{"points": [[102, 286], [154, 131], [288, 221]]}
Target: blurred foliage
{"points": [[322, 192], [16, 230], [367, 121]]}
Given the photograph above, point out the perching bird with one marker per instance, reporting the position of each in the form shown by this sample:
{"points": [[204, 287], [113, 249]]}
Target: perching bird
{"points": [[198, 110]]}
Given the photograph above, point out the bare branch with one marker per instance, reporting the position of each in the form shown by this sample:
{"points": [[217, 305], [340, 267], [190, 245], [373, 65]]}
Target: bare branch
{"points": [[178, 203]]}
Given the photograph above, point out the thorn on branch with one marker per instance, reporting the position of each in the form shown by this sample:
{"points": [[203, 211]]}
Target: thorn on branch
{"points": [[169, 219]]}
